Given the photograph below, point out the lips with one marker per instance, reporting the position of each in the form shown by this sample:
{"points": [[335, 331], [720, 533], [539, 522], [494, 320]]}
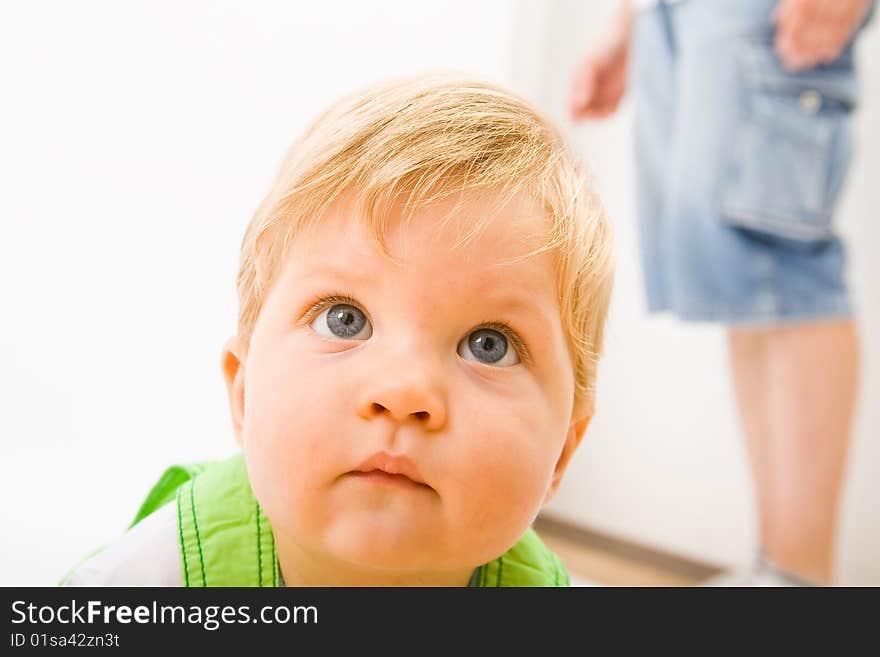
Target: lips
{"points": [[390, 468]]}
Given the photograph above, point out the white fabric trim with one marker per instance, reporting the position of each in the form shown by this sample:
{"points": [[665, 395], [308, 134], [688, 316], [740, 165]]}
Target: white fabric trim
{"points": [[146, 555]]}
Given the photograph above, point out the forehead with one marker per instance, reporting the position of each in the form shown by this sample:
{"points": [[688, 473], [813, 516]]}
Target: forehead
{"points": [[482, 234]]}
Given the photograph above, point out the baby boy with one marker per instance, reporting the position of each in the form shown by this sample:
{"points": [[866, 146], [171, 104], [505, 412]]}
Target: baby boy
{"points": [[422, 299]]}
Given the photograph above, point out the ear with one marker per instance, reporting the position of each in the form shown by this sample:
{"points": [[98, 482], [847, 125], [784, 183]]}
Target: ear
{"points": [[575, 434], [232, 363]]}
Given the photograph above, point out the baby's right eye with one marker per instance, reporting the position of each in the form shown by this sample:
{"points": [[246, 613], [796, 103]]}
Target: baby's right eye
{"points": [[342, 320]]}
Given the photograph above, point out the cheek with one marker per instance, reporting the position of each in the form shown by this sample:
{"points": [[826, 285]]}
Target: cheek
{"points": [[509, 454], [287, 400], [501, 473], [287, 425]]}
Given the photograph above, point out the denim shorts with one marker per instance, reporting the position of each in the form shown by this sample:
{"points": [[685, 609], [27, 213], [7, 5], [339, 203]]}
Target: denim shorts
{"points": [[739, 167]]}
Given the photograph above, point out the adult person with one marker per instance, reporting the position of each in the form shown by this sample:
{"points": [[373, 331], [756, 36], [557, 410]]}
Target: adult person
{"points": [[742, 110]]}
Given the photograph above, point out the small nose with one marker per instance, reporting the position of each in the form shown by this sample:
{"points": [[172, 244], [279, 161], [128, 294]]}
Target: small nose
{"points": [[406, 394]]}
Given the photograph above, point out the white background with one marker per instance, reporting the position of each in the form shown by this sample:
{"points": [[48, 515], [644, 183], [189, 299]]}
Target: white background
{"points": [[136, 139]]}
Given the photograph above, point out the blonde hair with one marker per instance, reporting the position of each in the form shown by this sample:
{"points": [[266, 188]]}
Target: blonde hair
{"points": [[420, 140]]}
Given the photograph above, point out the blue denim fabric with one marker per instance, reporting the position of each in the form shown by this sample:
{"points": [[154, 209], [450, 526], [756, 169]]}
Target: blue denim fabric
{"points": [[739, 166]]}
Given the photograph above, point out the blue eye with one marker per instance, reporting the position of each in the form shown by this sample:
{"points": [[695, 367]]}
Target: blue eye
{"points": [[488, 346], [344, 321]]}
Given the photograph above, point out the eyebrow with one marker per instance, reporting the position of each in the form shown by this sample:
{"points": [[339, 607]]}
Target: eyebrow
{"points": [[330, 270], [524, 307]]}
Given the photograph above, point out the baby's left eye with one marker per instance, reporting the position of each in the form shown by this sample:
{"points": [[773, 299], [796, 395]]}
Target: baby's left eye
{"points": [[488, 346]]}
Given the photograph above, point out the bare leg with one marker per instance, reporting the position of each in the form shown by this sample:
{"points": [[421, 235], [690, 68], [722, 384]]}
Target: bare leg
{"points": [[796, 388], [747, 349], [812, 374]]}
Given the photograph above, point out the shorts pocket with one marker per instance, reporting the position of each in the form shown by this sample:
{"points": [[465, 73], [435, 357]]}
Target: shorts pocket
{"points": [[791, 147]]}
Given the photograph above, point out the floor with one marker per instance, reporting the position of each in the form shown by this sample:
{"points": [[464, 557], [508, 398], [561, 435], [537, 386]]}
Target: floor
{"points": [[595, 567], [592, 561]]}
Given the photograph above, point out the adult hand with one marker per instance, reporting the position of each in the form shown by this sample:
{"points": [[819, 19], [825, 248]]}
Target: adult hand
{"points": [[600, 80], [813, 32], [599, 83]]}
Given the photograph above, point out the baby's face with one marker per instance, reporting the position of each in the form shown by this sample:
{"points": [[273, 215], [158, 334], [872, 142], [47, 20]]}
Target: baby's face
{"points": [[415, 416]]}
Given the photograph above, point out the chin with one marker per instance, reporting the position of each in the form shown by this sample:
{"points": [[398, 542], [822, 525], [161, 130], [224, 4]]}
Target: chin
{"points": [[376, 549]]}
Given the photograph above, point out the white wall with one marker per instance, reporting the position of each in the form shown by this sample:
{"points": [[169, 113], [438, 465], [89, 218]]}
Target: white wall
{"points": [[137, 139], [663, 463]]}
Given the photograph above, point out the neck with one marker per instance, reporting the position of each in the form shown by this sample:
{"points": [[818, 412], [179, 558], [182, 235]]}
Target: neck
{"points": [[301, 566]]}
